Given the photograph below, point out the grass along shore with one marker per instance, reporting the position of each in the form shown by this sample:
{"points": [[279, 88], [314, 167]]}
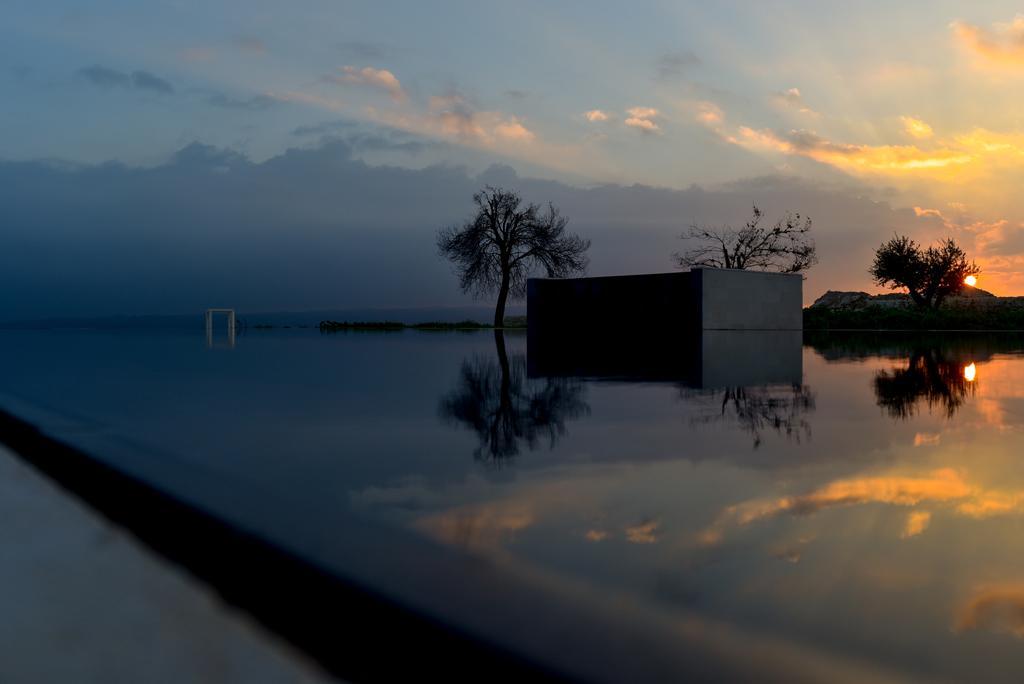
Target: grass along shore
{"points": [[511, 322], [891, 318]]}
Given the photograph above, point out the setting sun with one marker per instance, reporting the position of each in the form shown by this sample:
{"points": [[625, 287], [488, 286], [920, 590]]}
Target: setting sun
{"points": [[971, 280], [970, 372]]}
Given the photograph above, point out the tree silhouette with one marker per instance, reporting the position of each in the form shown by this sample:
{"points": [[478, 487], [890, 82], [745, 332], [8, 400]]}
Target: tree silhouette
{"points": [[779, 408], [497, 250], [929, 276], [928, 377], [505, 409], [785, 246]]}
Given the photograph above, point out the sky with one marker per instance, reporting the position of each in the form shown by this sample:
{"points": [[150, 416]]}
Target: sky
{"points": [[290, 156]]}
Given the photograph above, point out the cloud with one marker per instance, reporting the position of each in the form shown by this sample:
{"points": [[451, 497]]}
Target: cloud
{"points": [[643, 533], [104, 77], [112, 239], [709, 114], [643, 119], [891, 159], [927, 438], [1002, 44], [916, 128], [999, 609], [940, 485], [595, 115], [254, 103], [917, 522], [674, 64], [380, 79], [793, 99]]}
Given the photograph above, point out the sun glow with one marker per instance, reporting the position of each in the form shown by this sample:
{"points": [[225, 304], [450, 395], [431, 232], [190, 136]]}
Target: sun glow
{"points": [[970, 372], [971, 280]]}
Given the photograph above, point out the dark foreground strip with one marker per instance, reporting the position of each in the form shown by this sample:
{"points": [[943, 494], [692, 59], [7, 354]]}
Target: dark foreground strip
{"points": [[353, 633]]}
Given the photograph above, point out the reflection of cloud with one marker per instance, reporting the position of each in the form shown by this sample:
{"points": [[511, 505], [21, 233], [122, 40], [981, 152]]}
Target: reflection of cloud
{"points": [[596, 535], [940, 485], [998, 609], [917, 522], [644, 533], [478, 527]]}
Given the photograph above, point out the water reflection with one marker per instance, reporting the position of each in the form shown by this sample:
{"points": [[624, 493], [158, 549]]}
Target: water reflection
{"points": [[781, 409], [507, 410], [930, 377]]}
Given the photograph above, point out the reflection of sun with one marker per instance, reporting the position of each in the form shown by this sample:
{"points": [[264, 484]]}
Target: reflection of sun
{"points": [[970, 372], [971, 280]]}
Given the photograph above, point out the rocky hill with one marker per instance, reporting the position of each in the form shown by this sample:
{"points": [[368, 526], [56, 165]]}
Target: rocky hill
{"points": [[968, 297]]}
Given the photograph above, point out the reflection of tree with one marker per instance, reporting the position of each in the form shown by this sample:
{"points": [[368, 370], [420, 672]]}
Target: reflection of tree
{"points": [[505, 409], [930, 377], [779, 408]]}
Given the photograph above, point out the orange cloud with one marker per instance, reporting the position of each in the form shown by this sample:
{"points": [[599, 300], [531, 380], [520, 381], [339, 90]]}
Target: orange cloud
{"points": [[381, 79], [483, 527], [644, 533], [1002, 44], [851, 157], [709, 113], [997, 608], [916, 128], [595, 116], [642, 118], [917, 522]]}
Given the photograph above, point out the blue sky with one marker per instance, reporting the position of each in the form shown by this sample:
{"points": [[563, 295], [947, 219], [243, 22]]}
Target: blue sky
{"points": [[914, 105]]}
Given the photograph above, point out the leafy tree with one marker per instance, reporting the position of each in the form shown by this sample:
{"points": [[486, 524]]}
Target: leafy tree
{"points": [[498, 249], [929, 275], [785, 246]]}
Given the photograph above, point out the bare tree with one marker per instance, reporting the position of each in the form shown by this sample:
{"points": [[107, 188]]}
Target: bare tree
{"points": [[498, 249], [496, 400], [785, 247]]}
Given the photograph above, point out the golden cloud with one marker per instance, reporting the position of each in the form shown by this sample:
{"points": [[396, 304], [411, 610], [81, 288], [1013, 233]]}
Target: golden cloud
{"points": [[595, 116], [917, 522], [850, 157], [1002, 44], [916, 128]]}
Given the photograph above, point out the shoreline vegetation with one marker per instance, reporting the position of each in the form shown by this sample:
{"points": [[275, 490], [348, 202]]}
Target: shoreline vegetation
{"points": [[511, 323], [884, 318]]}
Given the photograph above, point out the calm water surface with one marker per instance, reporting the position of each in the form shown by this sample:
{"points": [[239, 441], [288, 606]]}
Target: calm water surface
{"points": [[849, 501]]}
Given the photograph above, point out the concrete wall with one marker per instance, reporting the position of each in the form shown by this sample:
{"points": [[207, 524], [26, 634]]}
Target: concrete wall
{"points": [[700, 299], [749, 300]]}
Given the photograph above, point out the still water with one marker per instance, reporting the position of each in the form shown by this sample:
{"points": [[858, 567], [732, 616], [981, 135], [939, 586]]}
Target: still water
{"points": [[852, 503]]}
